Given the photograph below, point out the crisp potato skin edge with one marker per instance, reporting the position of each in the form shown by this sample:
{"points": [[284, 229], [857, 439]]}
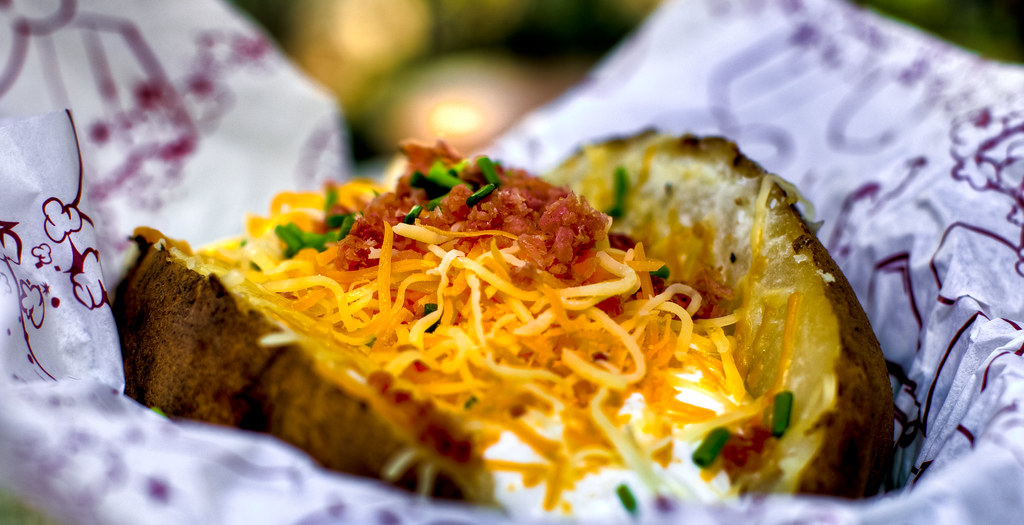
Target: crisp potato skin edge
{"points": [[856, 447], [191, 348], [857, 441], [855, 434]]}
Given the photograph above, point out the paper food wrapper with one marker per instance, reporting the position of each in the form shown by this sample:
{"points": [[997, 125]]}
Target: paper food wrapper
{"points": [[909, 149]]}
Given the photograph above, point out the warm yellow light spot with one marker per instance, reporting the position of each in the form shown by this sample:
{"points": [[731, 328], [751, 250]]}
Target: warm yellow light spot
{"points": [[454, 118], [379, 33]]}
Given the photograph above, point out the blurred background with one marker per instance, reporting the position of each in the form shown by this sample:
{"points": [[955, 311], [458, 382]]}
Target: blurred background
{"points": [[466, 70]]}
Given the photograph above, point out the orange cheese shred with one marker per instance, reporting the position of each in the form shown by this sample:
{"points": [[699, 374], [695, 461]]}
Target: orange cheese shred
{"points": [[466, 328]]}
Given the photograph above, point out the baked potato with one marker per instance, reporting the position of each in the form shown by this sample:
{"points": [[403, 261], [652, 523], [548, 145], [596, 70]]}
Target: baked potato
{"points": [[479, 334]]}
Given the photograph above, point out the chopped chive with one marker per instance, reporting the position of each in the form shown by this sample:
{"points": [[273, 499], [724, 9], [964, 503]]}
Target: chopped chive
{"points": [[621, 189], [373, 339], [255, 266], [428, 309], [487, 167], [410, 218], [346, 226], [434, 203], [661, 272], [470, 402], [479, 195], [781, 411], [295, 239], [438, 174], [158, 411], [292, 237], [432, 188], [318, 241], [331, 200], [333, 221], [627, 498], [712, 445]]}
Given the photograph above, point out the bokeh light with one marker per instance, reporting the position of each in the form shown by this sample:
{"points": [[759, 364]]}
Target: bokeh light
{"points": [[465, 70]]}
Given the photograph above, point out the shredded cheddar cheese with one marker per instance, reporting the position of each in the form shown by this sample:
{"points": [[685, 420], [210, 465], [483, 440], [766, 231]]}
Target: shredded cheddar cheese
{"points": [[496, 350]]}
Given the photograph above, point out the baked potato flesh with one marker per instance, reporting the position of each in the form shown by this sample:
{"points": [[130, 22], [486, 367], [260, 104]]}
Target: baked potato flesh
{"points": [[689, 189]]}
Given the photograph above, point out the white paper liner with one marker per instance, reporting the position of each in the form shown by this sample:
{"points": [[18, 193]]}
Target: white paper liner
{"points": [[907, 147], [179, 111]]}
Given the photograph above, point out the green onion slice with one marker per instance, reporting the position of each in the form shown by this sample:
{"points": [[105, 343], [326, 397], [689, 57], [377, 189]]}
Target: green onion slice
{"points": [[712, 445], [428, 309], [158, 411], [470, 402], [345, 226], [621, 189], [480, 195], [292, 237], [661, 272], [434, 203], [332, 199], [295, 239], [487, 167], [440, 175], [432, 188], [627, 498], [781, 411], [333, 221], [413, 213]]}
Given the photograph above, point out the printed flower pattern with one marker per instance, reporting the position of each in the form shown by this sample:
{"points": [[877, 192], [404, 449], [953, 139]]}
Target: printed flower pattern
{"points": [[32, 305]]}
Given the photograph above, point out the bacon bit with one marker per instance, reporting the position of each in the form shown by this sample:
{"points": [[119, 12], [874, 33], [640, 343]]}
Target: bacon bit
{"points": [[438, 437], [584, 392], [620, 241], [611, 306], [422, 156], [433, 428], [744, 452], [557, 230], [380, 381], [712, 291], [419, 366], [599, 356], [517, 410]]}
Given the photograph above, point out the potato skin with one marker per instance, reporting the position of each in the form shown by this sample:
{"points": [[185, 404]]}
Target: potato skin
{"points": [[856, 447], [192, 349], [856, 444]]}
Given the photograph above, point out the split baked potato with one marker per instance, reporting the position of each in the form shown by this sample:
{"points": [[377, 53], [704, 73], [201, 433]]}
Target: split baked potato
{"points": [[470, 365]]}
